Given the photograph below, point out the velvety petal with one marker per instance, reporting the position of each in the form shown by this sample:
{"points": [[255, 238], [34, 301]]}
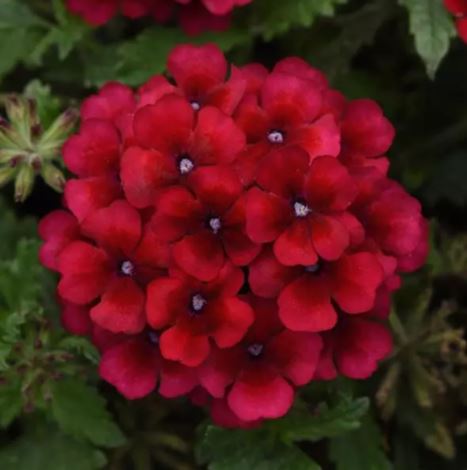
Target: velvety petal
{"points": [[282, 172], [239, 248], [223, 416], [326, 368], [216, 187], [75, 319], [329, 186], [84, 196], [143, 173], [267, 276], [176, 379], [247, 162], [179, 344], [85, 272], [294, 246], [151, 251], [355, 279], [232, 317], [121, 309], [94, 151], [267, 216], [260, 393], [117, 227], [227, 96], [330, 237], [296, 355], [200, 255], [131, 367], [305, 305], [154, 89], [173, 118], [217, 139], [166, 299]]}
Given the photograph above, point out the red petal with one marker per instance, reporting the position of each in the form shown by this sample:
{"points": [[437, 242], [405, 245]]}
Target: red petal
{"points": [[296, 355], [151, 251], [166, 300], [173, 118], [260, 393], [121, 309], [267, 216], [227, 95], [176, 380], [143, 173], [330, 236], [294, 245], [131, 367], [85, 272], [94, 151], [85, 196], [217, 139], [200, 255], [355, 279], [300, 68], [239, 248], [75, 319], [178, 344], [224, 417], [305, 305], [117, 227], [329, 187]]}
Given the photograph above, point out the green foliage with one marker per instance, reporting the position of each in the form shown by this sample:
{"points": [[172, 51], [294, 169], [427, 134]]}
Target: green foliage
{"points": [[361, 449], [432, 28], [80, 411]]}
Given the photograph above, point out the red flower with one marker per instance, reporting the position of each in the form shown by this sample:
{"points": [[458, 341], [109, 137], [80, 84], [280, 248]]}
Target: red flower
{"points": [[459, 9], [259, 374], [114, 271], [134, 367], [301, 208], [193, 312], [206, 226]]}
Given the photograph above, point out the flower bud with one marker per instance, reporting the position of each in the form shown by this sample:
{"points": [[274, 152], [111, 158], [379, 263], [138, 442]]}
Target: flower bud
{"points": [[53, 177], [24, 183], [54, 136], [6, 174]]}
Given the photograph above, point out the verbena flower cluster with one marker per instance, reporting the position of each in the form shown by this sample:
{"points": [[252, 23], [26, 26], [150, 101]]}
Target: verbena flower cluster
{"points": [[194, 16], [231, 234], [458, 8]]}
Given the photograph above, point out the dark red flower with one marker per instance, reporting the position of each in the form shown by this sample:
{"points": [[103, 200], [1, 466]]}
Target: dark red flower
{"points": [[115, 271], [206, 226], [459, 9], [301, 207], [258, 375], [193, 312]]}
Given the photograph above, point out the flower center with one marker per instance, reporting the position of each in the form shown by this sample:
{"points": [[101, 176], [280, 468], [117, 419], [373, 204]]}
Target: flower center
{"points": [[276, 137], [301, 209], [215, 224], [195, 105], [153, 337], [313, 268], [127, 268], [255, 349], [185, 165], [198, 302]]}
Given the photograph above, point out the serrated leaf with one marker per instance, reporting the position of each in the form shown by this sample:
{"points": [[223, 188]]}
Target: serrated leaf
{"points": [[16, 14], [326, 421], [81, 412], [272, 20], [432, 27], [360, 450], [225, 449], [10, 403], [43, 448], [81, 346]]}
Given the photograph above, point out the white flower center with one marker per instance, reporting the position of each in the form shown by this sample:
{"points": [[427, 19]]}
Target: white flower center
{"points": [[300, 209], [198, 302], [185, 165], [276, 137], [215, 224], [127, 268], [255, 349], [195, 105]]}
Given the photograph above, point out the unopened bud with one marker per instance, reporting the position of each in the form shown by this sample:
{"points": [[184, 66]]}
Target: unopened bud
{"points": [[53, 177], [6, 175], [15, 108], [24, 183], [54, 136]]}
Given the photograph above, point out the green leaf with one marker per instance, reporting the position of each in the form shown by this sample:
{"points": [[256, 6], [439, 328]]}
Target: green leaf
{"points": [[48, 106], [360, 450], [326, 421], [272, 20], [15, 14], [10, 403], [81, 411], [432, 27], [43, 448], [225, 449]]}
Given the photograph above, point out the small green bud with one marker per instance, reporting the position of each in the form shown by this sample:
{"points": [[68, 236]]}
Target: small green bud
{"points": [[24, 183], [53, 177], [6, 174], [53, 138]]}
